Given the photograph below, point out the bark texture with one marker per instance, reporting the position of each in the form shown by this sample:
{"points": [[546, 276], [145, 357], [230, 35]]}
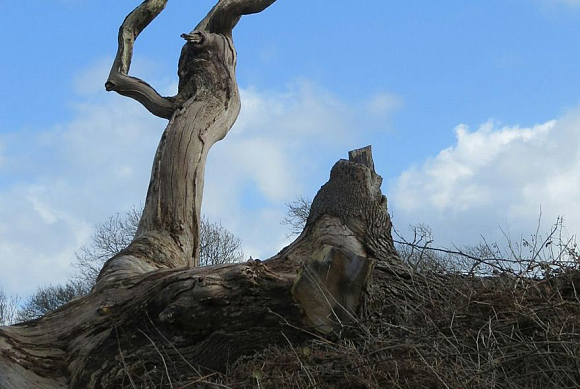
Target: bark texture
{"points": [[152, 313], [206, 318], [203, 111]]}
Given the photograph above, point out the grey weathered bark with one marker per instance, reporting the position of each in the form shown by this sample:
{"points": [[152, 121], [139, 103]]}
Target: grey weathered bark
{"points": [[336, 270], [150, 305], [203, 111]]}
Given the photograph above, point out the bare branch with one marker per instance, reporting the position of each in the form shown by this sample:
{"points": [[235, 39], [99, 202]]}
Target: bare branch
{"points": [[119, 80], [226, 14], [297, 215], [8, 308]]}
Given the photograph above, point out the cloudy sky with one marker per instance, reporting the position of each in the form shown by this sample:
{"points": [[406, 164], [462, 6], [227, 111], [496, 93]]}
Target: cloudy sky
{"points": [[472, 108]]}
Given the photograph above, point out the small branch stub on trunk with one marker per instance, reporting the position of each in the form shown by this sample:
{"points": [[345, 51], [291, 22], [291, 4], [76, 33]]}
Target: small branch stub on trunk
{"points": [[364, 156]]}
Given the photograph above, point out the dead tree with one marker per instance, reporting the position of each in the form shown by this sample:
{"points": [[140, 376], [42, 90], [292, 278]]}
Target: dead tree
{"points": [[151, 304]]}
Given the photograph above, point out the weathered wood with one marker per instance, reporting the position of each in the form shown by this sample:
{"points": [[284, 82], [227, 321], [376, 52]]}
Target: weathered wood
{"points": [[206, 317], [329, 288], [203, 111], [151, 307], [364, 156], [226, 14], [119, 79], [354, 195]]}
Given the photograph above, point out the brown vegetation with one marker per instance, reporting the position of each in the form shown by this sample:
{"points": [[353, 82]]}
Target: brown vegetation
{"points": [[513, 329]]}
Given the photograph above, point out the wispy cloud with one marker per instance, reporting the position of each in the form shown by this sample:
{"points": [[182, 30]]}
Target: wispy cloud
{"points": [[384, 104]]}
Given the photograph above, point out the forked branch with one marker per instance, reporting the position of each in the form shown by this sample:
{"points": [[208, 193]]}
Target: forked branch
{"points": [[119, 80]]}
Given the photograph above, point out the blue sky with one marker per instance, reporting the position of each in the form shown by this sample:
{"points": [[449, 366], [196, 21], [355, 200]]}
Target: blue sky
{"points": [[472, 108]]}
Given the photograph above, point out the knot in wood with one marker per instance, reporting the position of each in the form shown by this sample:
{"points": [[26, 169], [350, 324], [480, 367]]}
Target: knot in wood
{"points": [[167, 316], [105, 309]]}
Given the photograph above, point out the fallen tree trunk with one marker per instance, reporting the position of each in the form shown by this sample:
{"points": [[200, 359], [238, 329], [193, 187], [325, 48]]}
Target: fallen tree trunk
{"points": [[153, 318], [129, 328]]}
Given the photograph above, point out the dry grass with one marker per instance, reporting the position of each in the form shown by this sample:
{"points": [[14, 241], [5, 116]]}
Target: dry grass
{"points": [[497, 321], [487, 321], [475, 334]]}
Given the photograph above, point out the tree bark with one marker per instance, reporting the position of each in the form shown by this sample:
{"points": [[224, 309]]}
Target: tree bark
{"points": [[153, 315], [203, 111], [131, 327], [154, 318]]}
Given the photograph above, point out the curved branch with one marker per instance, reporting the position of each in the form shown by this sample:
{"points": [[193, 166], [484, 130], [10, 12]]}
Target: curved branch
{"points": [[224, 16], [119, 80]]}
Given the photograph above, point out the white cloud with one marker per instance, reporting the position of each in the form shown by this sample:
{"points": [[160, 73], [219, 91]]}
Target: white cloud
{"points": [[58, 182], [495, 177]]}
